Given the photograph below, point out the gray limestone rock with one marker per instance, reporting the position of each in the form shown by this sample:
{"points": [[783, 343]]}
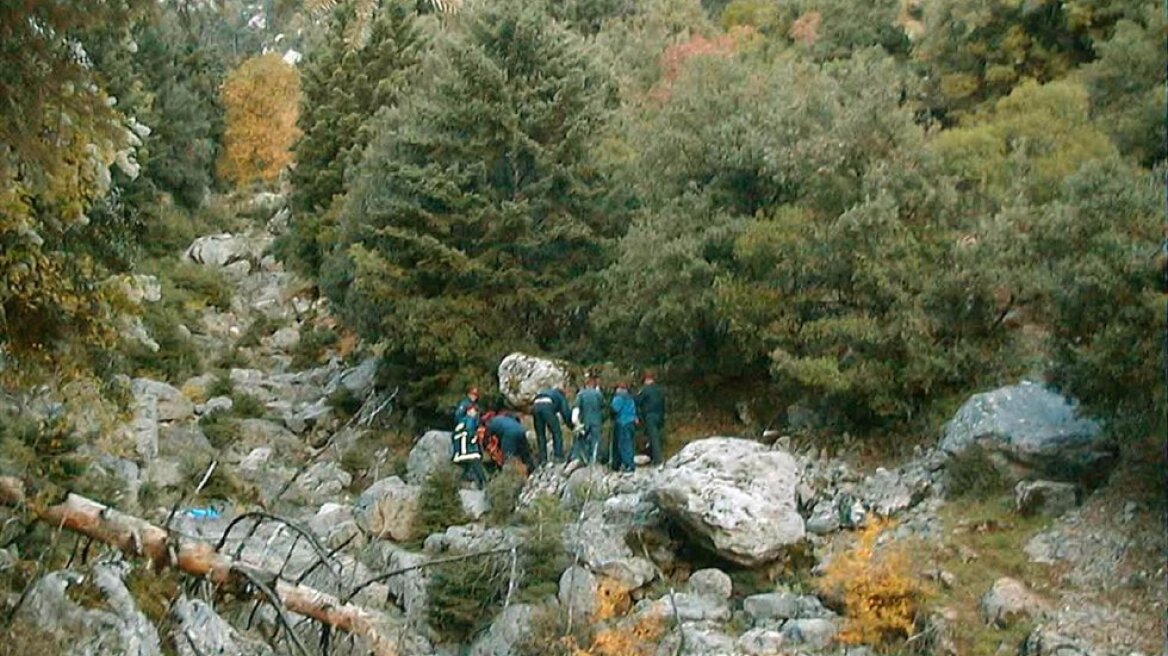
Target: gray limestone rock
{"points": [[1049, 498], [772, 606], [200, 630], [628, 574], [1031, 426], [1009, 601], [387, 508], [117, 627], [474, 503], [221, 249], [511, 626], [577, 593], [171, 404], [760, 642], [431, 451], [710, 582], [522, 376], [811, 633], [735, 497]]}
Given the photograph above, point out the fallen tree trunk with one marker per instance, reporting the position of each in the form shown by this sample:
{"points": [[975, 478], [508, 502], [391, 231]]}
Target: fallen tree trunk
{"points": [[136, 537]]}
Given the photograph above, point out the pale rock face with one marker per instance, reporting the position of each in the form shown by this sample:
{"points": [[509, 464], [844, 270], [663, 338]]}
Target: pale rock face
{"points": [[1009, 601], [711, 582], [172, 405], [511, 626], [220, 250], [386, 510], [737, 497], [474, 503], [578, 592], [431, 451], [1049, 498], [115, 627], [200, 630], [522, 376]]}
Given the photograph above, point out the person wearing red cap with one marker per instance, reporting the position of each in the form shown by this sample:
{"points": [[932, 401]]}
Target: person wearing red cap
{"points": [[651, 407], [472, 399]]}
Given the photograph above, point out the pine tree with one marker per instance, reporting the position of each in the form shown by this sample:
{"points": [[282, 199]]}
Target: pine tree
{"points": [[344, 85], [476, 218]]}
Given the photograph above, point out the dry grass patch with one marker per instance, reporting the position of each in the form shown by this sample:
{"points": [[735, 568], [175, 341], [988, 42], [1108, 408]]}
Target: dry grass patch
{"points": [[984, 541]]}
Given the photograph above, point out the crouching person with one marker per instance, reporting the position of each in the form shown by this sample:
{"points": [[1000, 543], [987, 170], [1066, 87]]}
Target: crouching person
{"points": [[465, 448], [513, 439]]}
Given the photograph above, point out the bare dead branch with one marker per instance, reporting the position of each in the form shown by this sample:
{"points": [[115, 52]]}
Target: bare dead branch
{"points": [[256, 580], [262, 516], [138, 538]]}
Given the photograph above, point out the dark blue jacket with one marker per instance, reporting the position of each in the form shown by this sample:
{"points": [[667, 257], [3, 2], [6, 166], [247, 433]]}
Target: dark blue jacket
{"points": [[558, 402], [651, 402], [460, 411], [506, 428], [463, 446], [591, 404]]}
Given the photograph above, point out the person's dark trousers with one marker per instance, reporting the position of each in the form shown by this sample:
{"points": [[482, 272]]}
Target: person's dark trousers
{"points": [[474, 469], [604, 447], [516, 447], [585, 446], [653, 428], [623, 438], [545, 420]]}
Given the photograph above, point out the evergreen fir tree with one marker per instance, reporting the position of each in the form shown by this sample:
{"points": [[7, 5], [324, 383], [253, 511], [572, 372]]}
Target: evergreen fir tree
{"points": [[476, 218], [344, 85]]}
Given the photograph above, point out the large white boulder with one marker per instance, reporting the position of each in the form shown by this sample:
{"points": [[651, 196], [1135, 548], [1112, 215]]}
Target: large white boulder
{"points": [[221, 250], [522, 376], [735, 497], [171, 404], [387, 509], [431, 451]]}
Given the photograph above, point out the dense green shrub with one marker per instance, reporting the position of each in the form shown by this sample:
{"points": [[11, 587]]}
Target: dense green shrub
{"points": [[542, 558], [247, 406], [220, 428], [310, 350], [439, 504], [974, 473], [503, 493], [345, 402], [464, 596], [177, 357]]}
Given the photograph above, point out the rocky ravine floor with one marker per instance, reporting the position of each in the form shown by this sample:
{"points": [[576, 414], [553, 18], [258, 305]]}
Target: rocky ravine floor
{"points": [[1093, 574]]}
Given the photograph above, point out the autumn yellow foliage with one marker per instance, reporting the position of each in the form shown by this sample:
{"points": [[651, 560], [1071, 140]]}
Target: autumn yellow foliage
{"points": [[877, 588], [261, 99], [637, 636]]}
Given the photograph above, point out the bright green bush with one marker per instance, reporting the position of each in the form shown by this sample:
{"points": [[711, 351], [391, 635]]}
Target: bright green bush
{"points": [[439, 504], [503, 493]]}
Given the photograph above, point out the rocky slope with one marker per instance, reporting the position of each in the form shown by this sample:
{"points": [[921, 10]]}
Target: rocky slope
{"points": [[719, 549]]}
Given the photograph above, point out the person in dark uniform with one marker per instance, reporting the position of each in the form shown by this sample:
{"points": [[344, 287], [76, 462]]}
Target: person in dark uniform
{"points": [[651, 411], [465, 449], [471, 398], [544, 409], [588, 415], [512, 438]]}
